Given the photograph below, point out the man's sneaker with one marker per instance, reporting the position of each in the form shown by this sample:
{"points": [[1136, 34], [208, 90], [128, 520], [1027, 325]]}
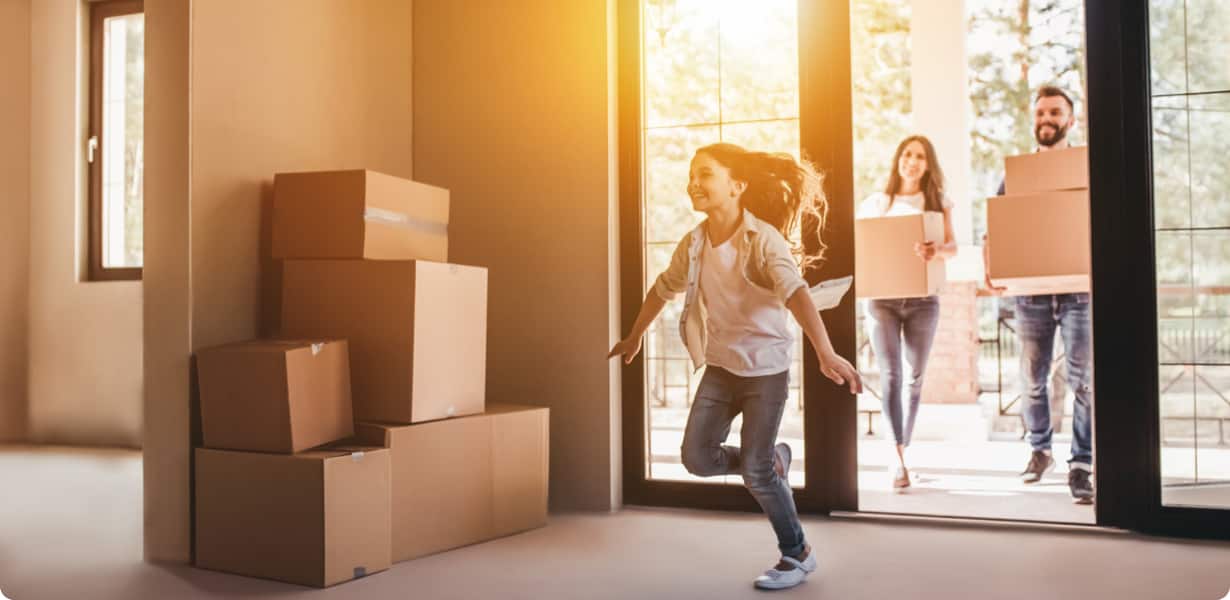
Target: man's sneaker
{"points": [[1040, 464], [781, 461], [1081, 483], [788, 573]]}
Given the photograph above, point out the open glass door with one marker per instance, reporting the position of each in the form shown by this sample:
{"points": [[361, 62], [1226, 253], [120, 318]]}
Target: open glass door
{"points": [[692, 73]]}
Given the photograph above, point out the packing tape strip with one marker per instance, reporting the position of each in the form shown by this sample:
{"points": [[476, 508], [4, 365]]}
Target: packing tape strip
{"points": [[392, 217], [317, 347], [356, 456]]}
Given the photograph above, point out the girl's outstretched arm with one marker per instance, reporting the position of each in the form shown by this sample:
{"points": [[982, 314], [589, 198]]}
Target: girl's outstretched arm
{"points": [[629, 346], [832, 365]]}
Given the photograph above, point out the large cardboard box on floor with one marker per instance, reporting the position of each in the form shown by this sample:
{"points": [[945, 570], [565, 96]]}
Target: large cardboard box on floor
{"points": [[417, 332], [885, 265], [316, 518], [358, 214], [1052, 170], [275, 396], [467, 480], [1039, 243]]}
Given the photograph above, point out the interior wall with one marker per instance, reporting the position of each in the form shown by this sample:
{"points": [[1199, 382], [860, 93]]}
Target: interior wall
{"points": [[85, 346], [328, 89], [15, 206], [327, 86], [520, 128]]}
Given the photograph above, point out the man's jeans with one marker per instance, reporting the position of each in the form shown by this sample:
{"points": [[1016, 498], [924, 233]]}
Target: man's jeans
{"points": [[890, 322], [1037, 318], [721, 396]]}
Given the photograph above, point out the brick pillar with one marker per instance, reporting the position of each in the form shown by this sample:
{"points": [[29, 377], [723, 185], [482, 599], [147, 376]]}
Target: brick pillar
{"points": [[952, 371]]}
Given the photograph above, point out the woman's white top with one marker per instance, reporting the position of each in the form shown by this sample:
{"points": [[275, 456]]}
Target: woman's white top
{"points": [[877, 205]]}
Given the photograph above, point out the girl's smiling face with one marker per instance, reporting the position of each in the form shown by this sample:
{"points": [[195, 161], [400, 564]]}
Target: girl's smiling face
{"points": [[710, 185]]}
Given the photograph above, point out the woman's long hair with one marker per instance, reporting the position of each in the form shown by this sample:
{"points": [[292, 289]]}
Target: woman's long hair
{"points": [[781, 191], [932, 183]]}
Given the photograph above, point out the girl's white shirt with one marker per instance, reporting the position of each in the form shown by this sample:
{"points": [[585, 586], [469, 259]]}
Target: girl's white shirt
{"points": [[747, 325]]}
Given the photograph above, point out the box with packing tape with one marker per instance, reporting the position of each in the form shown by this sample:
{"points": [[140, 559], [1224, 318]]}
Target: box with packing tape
{"points": [[315, 518], [275, 396], [467, 480], [1053, 170], [358, 214], [417, 331]]}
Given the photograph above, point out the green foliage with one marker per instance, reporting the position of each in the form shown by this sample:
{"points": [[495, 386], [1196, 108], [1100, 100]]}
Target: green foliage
{"points": [[880, 68], [1015, 47]]}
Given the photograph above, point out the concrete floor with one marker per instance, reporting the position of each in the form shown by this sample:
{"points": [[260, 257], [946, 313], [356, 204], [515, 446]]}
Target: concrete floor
{"points": [[70, 527]]}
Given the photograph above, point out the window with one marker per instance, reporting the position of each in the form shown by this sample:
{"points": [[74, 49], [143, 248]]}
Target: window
{"points": [[114, 148], [1191, 122]]}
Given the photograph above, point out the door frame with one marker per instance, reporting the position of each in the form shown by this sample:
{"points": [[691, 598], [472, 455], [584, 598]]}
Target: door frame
{"points": [[822, 127], [1123, 260]]}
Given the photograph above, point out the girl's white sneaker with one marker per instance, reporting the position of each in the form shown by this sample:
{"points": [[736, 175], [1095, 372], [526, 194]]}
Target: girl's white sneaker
{"points": [[777, 579]]}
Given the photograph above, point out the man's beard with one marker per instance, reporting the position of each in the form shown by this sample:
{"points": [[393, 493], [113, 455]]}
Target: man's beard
{"points": [[1057, 135]]}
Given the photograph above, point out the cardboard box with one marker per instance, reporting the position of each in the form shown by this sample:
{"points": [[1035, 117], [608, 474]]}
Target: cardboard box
{"points": [[316, 518], [1052, 170], [275, 396], [1039, 243], [358, 214], [885, 265], [467, 480], [417, 332]]}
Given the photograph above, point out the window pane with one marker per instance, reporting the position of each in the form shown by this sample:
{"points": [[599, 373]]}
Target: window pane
{"points": [[1210, 171], [1171, 194], [1167, 52], [122, 139], [1208, 45], [1175, 298], [1211, 272], [1177, 404], [681, 62], [760, 60]]}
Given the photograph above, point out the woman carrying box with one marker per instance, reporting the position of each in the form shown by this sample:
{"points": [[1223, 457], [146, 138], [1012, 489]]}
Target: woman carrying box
{"points": [[907, 325], [740, 277]]}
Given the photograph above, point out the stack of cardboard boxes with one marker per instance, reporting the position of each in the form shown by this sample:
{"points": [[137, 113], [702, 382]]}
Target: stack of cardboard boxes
{"points": [[1038, 232], [365, 275]]}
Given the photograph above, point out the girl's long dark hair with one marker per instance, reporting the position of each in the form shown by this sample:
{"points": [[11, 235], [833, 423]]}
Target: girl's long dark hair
{"points": [[932, 183], [781, 191]]}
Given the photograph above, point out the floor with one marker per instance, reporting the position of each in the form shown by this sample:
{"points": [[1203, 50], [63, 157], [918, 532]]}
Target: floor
{"points": [[960, 466], [70, 527]]}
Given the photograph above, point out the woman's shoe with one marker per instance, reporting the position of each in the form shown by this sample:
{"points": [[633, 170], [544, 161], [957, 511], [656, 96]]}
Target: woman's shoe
{"points": [[901, 479]]}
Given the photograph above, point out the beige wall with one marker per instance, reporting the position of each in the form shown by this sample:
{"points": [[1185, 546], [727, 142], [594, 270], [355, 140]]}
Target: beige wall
{"points": [[326, 86], [84, 338], [15, 206], [513, 113]]}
